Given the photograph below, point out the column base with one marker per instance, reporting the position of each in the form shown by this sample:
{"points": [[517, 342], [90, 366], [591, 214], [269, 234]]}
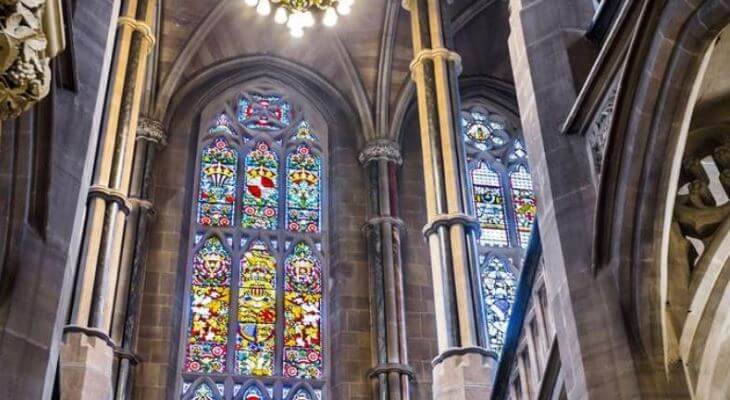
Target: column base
{"points": [[86, 364], [464, 374]]}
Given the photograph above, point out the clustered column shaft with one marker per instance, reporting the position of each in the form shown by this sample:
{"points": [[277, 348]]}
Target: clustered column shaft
{"points": [[450, 231], [392, 374], [83, 359]]}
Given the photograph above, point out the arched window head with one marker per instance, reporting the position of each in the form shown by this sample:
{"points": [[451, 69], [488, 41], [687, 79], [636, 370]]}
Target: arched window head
{"points": [[504, 204], [254, 326]]}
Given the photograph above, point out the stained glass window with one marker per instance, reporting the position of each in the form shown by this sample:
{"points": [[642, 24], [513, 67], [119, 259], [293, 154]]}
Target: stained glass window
{"points": [[489, 204], [498, 290], [217, 192], [261, 194], [303, 190], [255, 294], [505, 206], [302, 306], [209, 304]]}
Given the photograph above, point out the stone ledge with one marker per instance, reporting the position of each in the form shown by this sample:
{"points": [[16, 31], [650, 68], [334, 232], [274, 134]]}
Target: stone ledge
{"points": [[464, 373]]}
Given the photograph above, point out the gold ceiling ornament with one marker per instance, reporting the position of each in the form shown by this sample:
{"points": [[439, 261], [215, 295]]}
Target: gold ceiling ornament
{"points": [[300, 14]]}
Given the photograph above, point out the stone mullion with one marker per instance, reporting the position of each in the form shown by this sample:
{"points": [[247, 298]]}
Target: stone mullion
{"points": [[462, 369], [391, 375], [109, 206]]}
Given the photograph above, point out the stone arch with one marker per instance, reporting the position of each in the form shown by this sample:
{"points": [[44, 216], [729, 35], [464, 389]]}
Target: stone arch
{"points": [[636, 194]]}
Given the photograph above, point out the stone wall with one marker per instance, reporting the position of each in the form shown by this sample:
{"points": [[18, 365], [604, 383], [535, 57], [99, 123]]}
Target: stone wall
{"points": [[44, 174]]}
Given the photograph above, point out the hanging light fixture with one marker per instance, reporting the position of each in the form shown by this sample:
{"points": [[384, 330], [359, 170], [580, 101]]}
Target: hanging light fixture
{"points": [[300, 14]]}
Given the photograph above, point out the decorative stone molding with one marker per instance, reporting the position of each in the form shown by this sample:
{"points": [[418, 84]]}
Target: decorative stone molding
{"points": [[111, 195], [377, 221], [447, 220], [381, 149], [435, 54], [461, 351], [142, 27], [151, 130], [597, 135], [25, 75], [382, 369]]}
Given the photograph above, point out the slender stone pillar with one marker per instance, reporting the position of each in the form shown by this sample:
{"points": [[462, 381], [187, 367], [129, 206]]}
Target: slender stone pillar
{"points": [[87, 355], [463, 369], [391, 375]]}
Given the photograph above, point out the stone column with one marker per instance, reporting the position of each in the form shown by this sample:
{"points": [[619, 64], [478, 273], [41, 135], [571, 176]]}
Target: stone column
{"points": [[463, 369], [87, 354], [150, 139], [391, 374]]}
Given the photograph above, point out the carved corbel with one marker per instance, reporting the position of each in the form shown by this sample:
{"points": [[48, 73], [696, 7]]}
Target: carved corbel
{"points": [[31, 32]]}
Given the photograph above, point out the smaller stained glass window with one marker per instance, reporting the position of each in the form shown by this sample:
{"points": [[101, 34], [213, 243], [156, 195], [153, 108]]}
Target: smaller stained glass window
{"points": [[302, 302], [204, 392], [208, 330], [498, 289], [217, 193], [305, 132], [489, 202], [303, 190], [222, 125], [267, 113], [484, 132], [302, 394], [261, 195], [253, 393], [523, 199]]}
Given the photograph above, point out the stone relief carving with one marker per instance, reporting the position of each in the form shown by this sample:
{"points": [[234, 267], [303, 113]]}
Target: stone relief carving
{"points": [[381, 149], [597, 134], [151, 130], [25, 75]]}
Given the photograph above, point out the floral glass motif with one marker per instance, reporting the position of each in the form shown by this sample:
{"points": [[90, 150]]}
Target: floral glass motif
{"points": [[204, 392], [302, 309], [217, 193], [303, 190], [523, 199], [256, 312], [498, 291], [261, 194], [489, 204], [253, 393], [483, 132], [222, 125], [267, 113], [210, 299], [304, 132]]}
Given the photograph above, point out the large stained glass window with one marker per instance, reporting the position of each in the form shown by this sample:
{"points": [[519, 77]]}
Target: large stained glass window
{"points": [[255, 295], [505, 206]]}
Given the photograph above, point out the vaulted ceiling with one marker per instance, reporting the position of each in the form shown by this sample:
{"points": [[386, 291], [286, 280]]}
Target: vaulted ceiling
{"points": [[366, 56]]}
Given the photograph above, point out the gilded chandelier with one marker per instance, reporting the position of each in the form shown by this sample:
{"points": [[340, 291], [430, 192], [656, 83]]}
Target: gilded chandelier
{"points": [[300, 14]]}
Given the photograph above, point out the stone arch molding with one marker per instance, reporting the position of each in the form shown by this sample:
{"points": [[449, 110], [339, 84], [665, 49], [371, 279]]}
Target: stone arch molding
{"points": [[674, 357]]}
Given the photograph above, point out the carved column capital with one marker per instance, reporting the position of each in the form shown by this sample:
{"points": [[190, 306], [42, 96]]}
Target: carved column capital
{"points": [[151, 130], [381, 149], [25, 75]]}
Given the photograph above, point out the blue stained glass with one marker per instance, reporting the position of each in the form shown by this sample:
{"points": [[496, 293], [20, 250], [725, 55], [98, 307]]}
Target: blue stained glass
{"points": [[302, 394], [303, 192], [498, 290], [204, 392], [267, 113], [253, 393], [489, 204]]}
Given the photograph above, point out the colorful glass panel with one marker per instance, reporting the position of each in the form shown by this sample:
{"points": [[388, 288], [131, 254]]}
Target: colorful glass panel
{"points": [[217, 193], [489, 204], [256, 312], [484, 132], [498, 290], [523, 199], [267, 113], [203, 392], [303, 190], [209, 304], [222, 125], [261, 194], [302, 309], [302, 394], [304, 132], [253, 393]]}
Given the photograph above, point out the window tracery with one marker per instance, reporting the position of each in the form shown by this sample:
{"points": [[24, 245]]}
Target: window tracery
{"points": [[505, 207], [255, 294]]}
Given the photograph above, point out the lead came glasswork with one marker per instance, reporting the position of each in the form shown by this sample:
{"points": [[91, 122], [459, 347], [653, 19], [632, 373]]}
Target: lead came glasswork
{"points": [[210, 298], [260, 251], [256, 313], [523, 199], [498, 289], [303, 190], [489, 202], [261, 195], [217, 193], [302, 302]]}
